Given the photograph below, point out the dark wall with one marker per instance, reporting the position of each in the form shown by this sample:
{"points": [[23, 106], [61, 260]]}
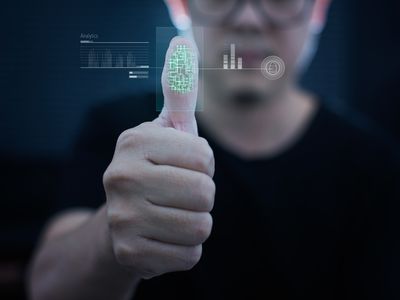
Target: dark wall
{"points": [[44, 95], [43, 98], [375, 61]]}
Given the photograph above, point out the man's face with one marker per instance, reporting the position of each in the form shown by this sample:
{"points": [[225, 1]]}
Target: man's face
{"points": [[258, 29]]}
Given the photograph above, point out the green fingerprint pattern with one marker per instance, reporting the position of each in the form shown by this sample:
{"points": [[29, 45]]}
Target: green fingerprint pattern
{"points": [[181, 68]]}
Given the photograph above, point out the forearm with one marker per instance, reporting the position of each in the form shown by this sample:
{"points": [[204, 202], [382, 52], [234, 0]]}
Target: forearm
{"points": [[80, 265]]}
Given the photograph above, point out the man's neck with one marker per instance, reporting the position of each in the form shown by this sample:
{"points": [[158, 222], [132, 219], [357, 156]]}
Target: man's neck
{"points": [[263, 131]]}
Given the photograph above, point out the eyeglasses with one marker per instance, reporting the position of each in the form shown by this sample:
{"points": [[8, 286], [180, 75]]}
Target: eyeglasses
{"points": [[277, 13]]}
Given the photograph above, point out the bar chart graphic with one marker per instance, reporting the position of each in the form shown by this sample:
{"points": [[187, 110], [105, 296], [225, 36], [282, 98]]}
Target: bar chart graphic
{"points": [[116, 55], [230, 62]]}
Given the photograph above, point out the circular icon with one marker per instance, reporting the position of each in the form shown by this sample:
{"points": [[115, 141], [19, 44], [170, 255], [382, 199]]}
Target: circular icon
{"points": [[273, 67]]}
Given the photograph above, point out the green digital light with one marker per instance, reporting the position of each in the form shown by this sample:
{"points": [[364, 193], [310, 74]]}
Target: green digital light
{"points": [[181, 69]]}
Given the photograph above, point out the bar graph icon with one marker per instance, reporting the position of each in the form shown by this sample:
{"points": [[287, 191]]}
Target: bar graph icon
{"points": [[230, 62], [106, 60], [116, 55]]}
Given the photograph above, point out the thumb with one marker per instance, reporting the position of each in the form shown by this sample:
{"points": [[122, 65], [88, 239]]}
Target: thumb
{"points": [[180, 84]]}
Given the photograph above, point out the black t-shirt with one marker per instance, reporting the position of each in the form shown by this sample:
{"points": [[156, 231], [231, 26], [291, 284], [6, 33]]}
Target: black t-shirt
{"points": [[319, 221]]}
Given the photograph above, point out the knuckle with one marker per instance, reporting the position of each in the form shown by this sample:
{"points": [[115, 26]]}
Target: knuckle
{"points": [[206, 157], [120, 217], [114, 177], [130, 253], [109, 177], [202, 228], [206, 193], [124, 255], [116, 220], [130, 138], [120, 176], [193, 256]]}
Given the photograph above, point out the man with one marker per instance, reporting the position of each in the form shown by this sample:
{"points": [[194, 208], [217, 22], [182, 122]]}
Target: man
{"points": [[306, 199]]}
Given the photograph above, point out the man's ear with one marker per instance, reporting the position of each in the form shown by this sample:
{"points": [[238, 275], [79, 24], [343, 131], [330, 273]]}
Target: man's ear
{"points": [[319, 14], [179, 13]]}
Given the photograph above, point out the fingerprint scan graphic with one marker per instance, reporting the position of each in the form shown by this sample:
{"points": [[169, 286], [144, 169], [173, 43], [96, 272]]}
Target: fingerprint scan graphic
{"points": [[181, 69]]}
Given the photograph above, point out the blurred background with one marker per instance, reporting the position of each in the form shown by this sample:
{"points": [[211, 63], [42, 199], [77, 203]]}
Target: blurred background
{"points": [[44, 95]]}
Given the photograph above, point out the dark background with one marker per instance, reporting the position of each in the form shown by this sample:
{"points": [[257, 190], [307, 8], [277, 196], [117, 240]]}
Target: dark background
{"points": [[44, 95]]}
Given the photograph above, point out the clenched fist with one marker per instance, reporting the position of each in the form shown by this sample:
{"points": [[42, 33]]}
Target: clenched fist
{"points": [[159, 184]]}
